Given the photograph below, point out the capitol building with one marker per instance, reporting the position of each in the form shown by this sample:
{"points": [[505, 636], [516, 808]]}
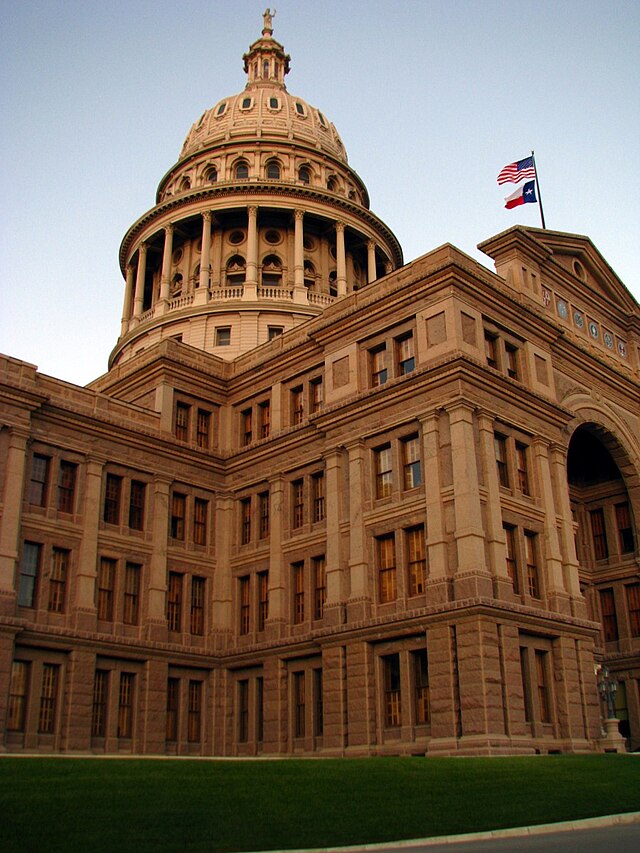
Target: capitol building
{"points": [[323, 501]]}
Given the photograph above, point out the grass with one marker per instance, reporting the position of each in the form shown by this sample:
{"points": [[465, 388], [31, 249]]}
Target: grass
{"points": [[75, 804]]}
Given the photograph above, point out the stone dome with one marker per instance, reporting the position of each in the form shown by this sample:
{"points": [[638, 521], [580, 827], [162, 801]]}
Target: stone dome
{"points": [[265, 109]]}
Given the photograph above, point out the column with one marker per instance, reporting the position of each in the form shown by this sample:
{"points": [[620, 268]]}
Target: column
{"points": [[359, 605], [496, 541], [128, 296], [85, 606], [222, 594], [557, 597], [334, 608], [251, 279], [371, 260], [167, 253], [156, 627], [341, 261], [437, 584], [472, 577], [277, 621], [140, 276], [78, 690], [558, 456], [299, 290], [10, 520], [202, 293]]}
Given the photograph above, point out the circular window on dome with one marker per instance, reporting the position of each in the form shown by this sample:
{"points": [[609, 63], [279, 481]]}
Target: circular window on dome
{"points": [[272, 236], [246, 104], [274, 104], [309, 243], [300, 109], [236, 237], [177, 256], [221, 109]]}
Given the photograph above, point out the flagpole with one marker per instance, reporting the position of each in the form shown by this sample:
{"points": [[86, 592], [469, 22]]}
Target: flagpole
{"points": [[538, 188]]}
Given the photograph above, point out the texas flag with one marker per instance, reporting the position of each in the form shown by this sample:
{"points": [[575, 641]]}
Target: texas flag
{"points": [[523, 195]]}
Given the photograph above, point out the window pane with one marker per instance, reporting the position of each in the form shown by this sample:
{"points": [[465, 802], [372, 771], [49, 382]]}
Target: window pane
{"points": [[29, 569], [66, 486]]}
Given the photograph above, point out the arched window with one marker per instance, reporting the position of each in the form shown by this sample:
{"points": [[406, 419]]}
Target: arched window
{"points": [[176, 285], [273, 170], [212, 175], [265, 68], [309, 275], [333, 283], [185, 184], [332, 184], [236, 270], [271, 271], [242, 171], [304, 174]]}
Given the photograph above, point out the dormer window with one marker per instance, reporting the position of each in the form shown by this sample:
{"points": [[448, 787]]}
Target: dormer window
{"points": [[221, 109], [246, 103], [274, 104], [321, 117], [300, 108]]}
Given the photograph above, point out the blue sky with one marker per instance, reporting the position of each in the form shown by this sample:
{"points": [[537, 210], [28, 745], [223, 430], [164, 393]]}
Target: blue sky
{"points": [[431, 100]]}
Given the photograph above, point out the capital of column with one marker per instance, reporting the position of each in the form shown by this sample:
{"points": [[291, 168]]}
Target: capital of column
{"points": [[252, 210], [206, 215], [339, 226], [298, 214], [142, 249], [168, 228]]}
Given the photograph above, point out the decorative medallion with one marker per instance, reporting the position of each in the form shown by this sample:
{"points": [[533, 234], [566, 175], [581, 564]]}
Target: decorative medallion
{"points": [[622, 349], [578, 319], [594, 331], [563, 311], [608, 340]]}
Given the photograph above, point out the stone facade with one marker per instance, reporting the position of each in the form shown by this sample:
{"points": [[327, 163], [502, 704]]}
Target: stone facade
{"points": [[323, 503]]}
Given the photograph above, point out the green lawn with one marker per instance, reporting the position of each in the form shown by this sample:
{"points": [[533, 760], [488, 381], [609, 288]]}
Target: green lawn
{"points": [[75, 804]]}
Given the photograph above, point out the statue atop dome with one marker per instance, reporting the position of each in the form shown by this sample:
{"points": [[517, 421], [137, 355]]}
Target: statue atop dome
{"points": [[267, 26]]}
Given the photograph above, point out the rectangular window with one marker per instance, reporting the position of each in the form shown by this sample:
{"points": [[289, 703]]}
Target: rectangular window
{"points": [[317, 495], [125, 705], [491, 349], [542, 685], [297, 490], [29, 570], [609, 616], [58, 579], [421, 682], [178, 512], [319, 569], [203, 429], [113, 489], [245, 603], [99, 703], [599, 534], [130, 611], [391, 666], [136, 505], [511, 361], [405, 355], [298, 705], [411, 470], [512, 566], [183, 415], [274, 332], [633, 605], [416, 559], [386, 555], [263, 599], [194, 718], [48, 696], [18, 695], [223, 336], [200, 513], [316, 395], [245, 521], [318, 702], [625, 528], [264, 417], [500, 444], [67, 486], [196, 614], [383, 467], [243, 710], [522, 468], [297, 572], [530, 550], [173, 704], [297, 405], [174, 601], [38, 486], [247, 431], [106, 583], [378, 366], [263, 499]]}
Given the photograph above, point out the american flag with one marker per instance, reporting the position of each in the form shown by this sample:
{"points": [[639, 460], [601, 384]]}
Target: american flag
{"points": [[521, 170]]}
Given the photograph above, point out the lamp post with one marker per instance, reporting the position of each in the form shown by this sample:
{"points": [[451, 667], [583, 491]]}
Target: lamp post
{"points": [[607, 687]]}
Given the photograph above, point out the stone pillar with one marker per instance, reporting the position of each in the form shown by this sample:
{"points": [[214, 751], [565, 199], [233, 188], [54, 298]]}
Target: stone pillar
{"points": [[341, 261], [336, 582], [251, 279], [85, 605], [558, 459], [7, 642], [557, 597], [496, 541], [152, 707], [15, 472], [568, 694], [156, 627], [299, 290], [361, 709], [167, 254], [472, 577], [140, 277], [371, 261], [222, 596], [202, 293], [359, 604], [78, 707], [128, 297], [437, 583], [278, 611], [443, 688]]}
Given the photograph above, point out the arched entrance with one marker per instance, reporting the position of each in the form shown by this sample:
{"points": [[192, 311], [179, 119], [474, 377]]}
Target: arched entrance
{"points": [[600, 478]]}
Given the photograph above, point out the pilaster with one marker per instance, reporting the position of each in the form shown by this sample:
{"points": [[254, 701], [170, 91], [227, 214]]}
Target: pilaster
{"points": [[85, 605], [359, 604], [156, 626], [15, 471], [437, 581], [557, 597], [336, 582]]}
